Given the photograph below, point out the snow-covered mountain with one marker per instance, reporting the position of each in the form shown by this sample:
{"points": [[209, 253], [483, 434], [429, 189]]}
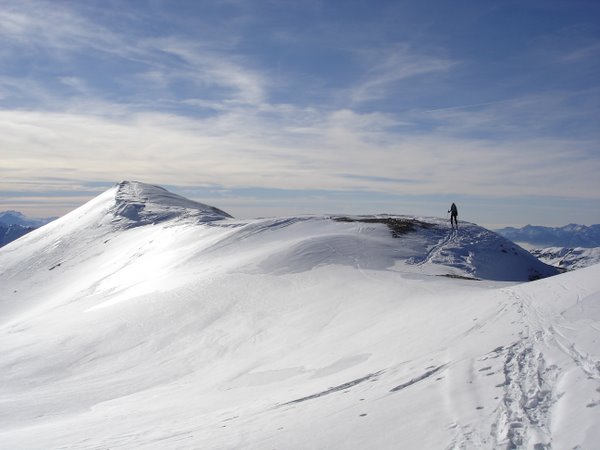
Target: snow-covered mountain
{"points": [[9, 233], [18, 218], [571, 235], [569, 247], [568, 258], [14, 224], [145, 320]]}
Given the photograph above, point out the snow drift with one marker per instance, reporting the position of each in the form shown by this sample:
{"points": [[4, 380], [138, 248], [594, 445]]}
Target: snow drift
{"points": [[145, 320]]}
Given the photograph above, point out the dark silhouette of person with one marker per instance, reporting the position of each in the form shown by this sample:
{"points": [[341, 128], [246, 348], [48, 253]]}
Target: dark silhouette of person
{"points": [[453, 216]]}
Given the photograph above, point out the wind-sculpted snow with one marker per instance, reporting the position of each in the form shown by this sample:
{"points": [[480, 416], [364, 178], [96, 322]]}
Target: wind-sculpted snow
{"points": [[294, 332], [141, 204]]}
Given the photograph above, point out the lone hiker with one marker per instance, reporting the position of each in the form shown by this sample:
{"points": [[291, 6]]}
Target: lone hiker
{"points": [[453, 216]]}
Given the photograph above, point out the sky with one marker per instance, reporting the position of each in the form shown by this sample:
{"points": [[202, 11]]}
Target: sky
{"points": [[283, 107]]}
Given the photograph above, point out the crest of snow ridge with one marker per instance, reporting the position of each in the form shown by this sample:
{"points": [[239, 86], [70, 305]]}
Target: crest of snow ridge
{"points": [[139, 204]]}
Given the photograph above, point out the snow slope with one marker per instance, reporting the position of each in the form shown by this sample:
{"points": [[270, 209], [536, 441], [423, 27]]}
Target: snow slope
{"points": [[175, 326]]}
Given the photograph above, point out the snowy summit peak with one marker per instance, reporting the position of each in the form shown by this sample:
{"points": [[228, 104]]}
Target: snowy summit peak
{"points": [[138, 204]]}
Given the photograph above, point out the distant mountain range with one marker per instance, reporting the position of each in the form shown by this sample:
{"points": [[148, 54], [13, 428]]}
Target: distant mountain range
{"points": [[571, 235], [14, 224]]}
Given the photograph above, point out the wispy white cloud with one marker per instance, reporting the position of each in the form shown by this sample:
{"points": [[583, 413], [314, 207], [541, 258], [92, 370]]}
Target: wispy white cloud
{"points": [[588, 52], [167, 62], [393, 65], [243, 153], [207, 68], [525, 116], [55, 27], [77, 84]]}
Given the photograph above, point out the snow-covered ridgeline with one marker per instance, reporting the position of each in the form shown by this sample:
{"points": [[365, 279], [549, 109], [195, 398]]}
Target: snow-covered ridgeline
{"points": [[291, 332], [139, 204]]}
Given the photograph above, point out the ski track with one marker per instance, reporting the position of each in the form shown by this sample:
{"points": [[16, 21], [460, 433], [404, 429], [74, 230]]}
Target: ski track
{"points": [[436, 250], [341, 387], [548, 332], [418, 378]]}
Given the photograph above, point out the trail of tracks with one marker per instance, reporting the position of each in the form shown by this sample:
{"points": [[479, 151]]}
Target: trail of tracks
{"points": [[435, 251], [530, 387], [529, 373]]}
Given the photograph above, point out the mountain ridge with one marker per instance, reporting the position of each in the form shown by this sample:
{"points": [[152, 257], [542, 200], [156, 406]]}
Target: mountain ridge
{"points": [[12, 217], [472, 251], [14, 224], [9, 233], [571, 235], [288, 332]]}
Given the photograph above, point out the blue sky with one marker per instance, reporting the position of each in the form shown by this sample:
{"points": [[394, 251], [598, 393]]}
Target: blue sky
{"points": [[278, 107]]}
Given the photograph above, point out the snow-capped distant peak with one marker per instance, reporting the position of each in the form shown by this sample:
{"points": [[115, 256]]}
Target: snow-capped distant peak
{"points": [[11, 215], [568, 258], [140, 204], [18, 218], [572, 235]]}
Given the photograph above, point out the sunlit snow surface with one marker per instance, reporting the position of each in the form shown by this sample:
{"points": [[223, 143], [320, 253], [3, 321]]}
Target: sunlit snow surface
{"points": [[170, 325]]}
